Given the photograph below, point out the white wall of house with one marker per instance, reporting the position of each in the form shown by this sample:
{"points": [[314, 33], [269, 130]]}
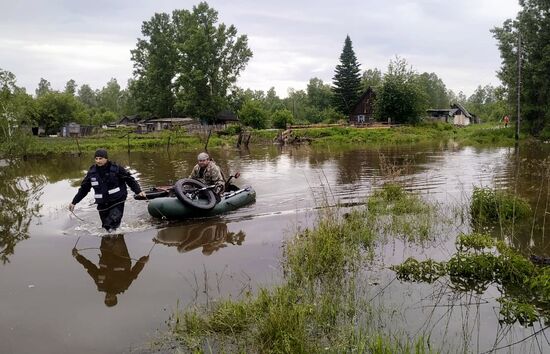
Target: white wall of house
{"points": [[461, 119]]}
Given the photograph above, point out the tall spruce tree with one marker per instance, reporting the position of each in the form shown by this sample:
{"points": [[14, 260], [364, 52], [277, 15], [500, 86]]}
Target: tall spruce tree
{"points": [[346, 80]]}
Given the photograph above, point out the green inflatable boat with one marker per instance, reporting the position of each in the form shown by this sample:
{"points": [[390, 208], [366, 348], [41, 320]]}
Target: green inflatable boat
{"points": [[172, 208]]}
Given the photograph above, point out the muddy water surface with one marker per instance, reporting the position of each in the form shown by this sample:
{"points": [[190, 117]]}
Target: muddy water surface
{"points": [[111, 295]]}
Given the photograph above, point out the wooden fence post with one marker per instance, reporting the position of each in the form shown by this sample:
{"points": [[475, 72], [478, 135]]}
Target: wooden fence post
{"points": [[207, 139]]}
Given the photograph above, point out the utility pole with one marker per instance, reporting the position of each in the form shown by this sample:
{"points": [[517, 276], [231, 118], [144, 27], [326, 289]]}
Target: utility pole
{"points": [[518, 86]]}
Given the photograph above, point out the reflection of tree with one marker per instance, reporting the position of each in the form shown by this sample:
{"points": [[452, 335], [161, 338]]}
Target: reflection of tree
{"points": [[352, 164], [115, 273], [211, 237], [19, 198], [525, 172]]}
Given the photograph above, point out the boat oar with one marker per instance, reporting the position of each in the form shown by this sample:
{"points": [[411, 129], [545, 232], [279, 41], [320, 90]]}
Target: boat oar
{"points": [[236, 175], [197, 191]]}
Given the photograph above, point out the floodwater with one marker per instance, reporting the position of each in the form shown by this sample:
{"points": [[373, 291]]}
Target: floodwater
{"points": [[112, 294]]}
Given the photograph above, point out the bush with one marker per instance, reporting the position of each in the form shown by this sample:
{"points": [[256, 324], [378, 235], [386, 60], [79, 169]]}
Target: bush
{"points": [[253, 115], [281, 118], [489, 205], [233, 129]]}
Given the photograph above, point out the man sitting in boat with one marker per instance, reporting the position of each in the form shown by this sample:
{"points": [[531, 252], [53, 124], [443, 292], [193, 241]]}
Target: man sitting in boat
{"points": [[208, 173]]}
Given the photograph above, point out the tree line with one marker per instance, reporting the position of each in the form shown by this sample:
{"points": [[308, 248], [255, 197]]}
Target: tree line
{"points": [[187, 64]]}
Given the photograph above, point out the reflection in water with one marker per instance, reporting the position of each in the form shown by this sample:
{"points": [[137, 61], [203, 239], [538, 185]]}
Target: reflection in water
{"points": [[210, 236], [19, 195], [287, 180], [115, 273]]}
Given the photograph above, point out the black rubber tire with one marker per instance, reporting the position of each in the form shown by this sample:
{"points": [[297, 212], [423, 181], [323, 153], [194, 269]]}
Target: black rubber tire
{"points": [[207, 197]]}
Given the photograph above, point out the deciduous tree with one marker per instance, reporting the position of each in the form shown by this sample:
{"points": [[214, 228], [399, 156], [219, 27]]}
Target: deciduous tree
{"points": [[187, 61], [254, 115], [44, 87], [371, 78], [532, 23], [400, 99]]}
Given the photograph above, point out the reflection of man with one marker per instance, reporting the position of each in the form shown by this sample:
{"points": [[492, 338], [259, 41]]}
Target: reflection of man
{"points": [[209, 247], [115, 272]]}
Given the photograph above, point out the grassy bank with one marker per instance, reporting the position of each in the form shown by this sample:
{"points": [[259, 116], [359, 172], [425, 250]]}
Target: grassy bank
{"points": [[481, 134], [320, 306], [123, 139], [117, 139]]}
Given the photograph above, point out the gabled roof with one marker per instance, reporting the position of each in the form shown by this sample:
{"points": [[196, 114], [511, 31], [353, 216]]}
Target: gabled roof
{"points": [[227, 116], [133, 119], [460, 107], [368, 92]]}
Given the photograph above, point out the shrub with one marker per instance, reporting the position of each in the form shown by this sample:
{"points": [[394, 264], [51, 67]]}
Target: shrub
{"points": [[489, 205], [281, 118]]}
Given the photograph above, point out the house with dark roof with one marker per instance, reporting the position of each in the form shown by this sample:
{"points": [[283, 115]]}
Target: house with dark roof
{"points": [[363, 112], [226, 117], [129, 120], [457, 115], [159, 124]]}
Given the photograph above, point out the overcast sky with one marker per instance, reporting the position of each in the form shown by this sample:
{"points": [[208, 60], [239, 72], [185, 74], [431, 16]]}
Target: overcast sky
{"points": [[292, 41]]}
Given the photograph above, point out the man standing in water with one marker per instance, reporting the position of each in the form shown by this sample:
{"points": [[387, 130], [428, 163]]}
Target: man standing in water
{"points": [[207, 172], [109, 183]]}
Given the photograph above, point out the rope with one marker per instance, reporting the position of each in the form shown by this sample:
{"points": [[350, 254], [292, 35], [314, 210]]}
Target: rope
{"points": [[121, 202], [76, 216], [160, 212]]}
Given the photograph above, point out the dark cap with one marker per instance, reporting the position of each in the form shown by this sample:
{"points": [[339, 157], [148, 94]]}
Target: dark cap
{"points": [[101, 153]]}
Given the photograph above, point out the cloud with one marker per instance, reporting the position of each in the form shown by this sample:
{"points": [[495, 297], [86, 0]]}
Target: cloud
{"points": [[292, 41]]}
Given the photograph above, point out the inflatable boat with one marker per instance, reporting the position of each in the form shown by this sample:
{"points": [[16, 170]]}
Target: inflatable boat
{"points": [[192, 199]]}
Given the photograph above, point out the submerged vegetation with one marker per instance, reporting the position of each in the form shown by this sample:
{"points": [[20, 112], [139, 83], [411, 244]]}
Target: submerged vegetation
{"points": [[318, 306], [490, 206], [480, 262]]}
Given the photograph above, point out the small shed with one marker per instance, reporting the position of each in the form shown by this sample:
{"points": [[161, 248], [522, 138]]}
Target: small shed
{"points": [[440, 114], [363, 112], [461, 116], [226, 117], [159, 124], [457, 115], [71, 130], [38, 131], [129, 120]]}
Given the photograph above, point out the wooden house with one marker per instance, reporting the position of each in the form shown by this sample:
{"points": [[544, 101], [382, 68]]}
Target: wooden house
{"points": [[457, 115], [440, 114], [129, 120], [70, 130], [159, 124], [363, 112], [226, 117]]}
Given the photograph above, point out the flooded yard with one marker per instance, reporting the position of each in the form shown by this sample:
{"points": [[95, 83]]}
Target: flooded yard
{"points": [[55, 299]]}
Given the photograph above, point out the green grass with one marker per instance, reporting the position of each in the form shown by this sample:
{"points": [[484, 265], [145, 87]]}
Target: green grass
{"points": [[316, 308], [116, 139], [477, 135]]}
